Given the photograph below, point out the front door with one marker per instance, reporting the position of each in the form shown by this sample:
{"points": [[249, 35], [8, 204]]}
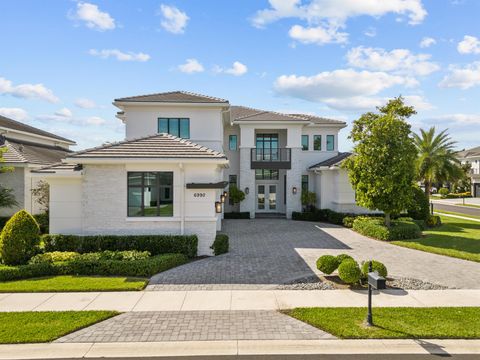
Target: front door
{"points": [[266, 197]]}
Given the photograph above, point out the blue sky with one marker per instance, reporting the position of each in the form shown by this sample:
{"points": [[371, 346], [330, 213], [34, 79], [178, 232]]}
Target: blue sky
{"points": [[63, 62]]}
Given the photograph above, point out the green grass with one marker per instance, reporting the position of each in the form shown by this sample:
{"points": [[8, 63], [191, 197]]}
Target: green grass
{"points": [[394, 323], [74, 283], [440, 212], [457, 238], [34, 327]]}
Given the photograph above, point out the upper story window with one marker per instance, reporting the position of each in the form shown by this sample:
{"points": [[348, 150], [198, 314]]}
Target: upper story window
{"points": [[304, 142], [150, 193], [330, 142], [304, 182], [317, 142], [232, 142], [266, 174], [175, 126]]}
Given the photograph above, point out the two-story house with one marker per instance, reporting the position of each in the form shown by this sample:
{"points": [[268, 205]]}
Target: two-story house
{"points": [[181, 152], [472, 156]]}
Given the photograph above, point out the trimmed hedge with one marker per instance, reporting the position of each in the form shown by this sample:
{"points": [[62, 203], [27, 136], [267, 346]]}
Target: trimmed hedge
{"points": [[60, 256], [375, 228], [237, 215], [220, 245], [342, 257], [327, 264], [135, 268], [154, 244], [327, 215], [349, 272], [434, 221], [377, 266]]}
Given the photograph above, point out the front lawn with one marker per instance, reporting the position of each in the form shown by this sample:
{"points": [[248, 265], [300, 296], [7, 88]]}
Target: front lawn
{"points": [[394, 323], [34, 327], [74, 283], [456, 237]]}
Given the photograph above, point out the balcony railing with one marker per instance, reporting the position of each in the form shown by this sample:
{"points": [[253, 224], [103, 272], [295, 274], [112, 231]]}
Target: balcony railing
{"points": [[276, 158]]}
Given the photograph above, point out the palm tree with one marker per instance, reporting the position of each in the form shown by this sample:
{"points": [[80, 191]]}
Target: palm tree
{"points": [[436, 161]]}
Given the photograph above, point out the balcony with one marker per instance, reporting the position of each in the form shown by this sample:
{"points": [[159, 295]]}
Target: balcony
{"points": [[276, 158]]}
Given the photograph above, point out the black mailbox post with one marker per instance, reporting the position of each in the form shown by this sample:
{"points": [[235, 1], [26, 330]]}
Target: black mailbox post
{"points": [[377, 282]]}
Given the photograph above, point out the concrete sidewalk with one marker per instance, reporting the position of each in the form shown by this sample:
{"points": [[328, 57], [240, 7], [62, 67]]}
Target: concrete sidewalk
{"points": [[206, 349], [232, 300]]}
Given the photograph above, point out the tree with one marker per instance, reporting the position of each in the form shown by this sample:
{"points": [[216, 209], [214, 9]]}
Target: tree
{"points": [[42, 194], [236, 195], [7, 198], [464, 183], [309, 199], [382, 167], [437, 161]]}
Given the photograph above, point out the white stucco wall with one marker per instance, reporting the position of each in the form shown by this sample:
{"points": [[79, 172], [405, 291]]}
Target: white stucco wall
{"points": [[66, 206], [14, 180]]}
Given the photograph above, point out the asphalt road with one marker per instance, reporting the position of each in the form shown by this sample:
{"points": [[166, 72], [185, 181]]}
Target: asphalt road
{"points": [[458, 209]]}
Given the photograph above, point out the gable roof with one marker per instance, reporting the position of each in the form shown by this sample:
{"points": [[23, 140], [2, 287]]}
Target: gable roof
{"points": [[150, 147], [318, 119], [469, 152], [173, 97], [16, 125], [31, 153], [333, 161]]}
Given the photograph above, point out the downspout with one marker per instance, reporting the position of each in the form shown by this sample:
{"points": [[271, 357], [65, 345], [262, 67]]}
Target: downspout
{"points": [[182, 200]]}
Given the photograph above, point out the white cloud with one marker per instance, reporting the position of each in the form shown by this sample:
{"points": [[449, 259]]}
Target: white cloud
{"points": [[119, 55], [237, 69], [317, 35], [65, 116], [85, 103], [400, 61], [370, 32], [367, 103], [191, 66], [65, 112], [469, 45], [93, 17], [427, 42], [27, 91], [458, 119], [14, 113], [174, 20], [462, 77], [95, 120]]}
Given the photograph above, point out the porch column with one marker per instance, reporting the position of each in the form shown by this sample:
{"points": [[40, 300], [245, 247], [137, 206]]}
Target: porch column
{"points": [[247, 175], [294, 175]]}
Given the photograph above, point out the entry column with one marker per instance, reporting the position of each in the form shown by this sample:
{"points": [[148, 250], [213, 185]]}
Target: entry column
{"points": [[247, 175]]}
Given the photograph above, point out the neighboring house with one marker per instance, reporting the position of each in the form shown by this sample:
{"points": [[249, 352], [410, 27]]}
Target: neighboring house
{"points": [[472, 156], [182, 151], [28, 148]]}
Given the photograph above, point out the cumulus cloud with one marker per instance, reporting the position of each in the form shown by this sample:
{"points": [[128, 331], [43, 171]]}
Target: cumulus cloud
{"points": [[462, 77], [27, 91], [237, 69], [400, 61], [173, 19], [65, 116], [369, 103], [469, 45], [14, 113], [427, 42], [458, 119], [119, 55], [65, 112], [93, 17], [85, 103], [317, 35], [191, 66]]}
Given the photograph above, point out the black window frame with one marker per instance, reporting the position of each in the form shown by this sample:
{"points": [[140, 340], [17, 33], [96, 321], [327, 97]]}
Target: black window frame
{"points": [[270, 173], [332, 137], [314, 138], [231, 183], [230, 137], [305, 146], [178, 126], [305, 183]]}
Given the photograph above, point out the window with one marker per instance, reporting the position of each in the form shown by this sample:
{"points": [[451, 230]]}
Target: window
{"points": [[304, 142], [317, 142], [330, 142], [304, 182], [232, 142], [267, 147], [150, 194], [266, 174], [176, 127], [232, 181]]}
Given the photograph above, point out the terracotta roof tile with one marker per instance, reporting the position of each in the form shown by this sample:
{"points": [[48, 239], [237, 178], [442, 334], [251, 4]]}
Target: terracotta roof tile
{"points": [[174, 96], [32, 153], [16, 125]]}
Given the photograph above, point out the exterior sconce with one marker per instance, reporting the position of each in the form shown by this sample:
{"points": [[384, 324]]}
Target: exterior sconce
{"points": [[225, 193], [294, 190], [222, 199], [247, 190], [218, 207]]}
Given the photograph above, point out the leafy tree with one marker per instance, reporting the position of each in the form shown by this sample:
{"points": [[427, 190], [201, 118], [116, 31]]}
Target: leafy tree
{"points": [[7, 199], [236, 195], [437, 161], [309, 199], [42, 194], [382, 168], [464, 183]]}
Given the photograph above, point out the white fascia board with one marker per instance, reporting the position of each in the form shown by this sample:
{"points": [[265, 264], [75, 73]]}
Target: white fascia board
{"points": [[58, 174], [145, 161], [334, 126], [123, 104], [37, 136], [269, 122]]}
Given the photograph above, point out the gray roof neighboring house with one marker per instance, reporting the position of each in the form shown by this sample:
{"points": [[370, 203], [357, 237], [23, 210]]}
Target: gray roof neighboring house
{"points": [[469, 152], [63, 167], [333, 161], [31, 153], [173, 97]]}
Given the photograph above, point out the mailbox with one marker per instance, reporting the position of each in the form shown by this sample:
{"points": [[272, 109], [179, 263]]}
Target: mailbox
{"points": [[376, 281]]}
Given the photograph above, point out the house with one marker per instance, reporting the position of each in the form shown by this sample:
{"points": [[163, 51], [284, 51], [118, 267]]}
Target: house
{"points": [[181, 152], [472, 156], [28, 148]]}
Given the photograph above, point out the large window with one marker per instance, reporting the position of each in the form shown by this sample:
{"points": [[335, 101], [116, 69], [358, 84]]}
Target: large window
{"points": [[175, 126], [304, 182], [304, 142], [266, 174], [232, 181], [232, 142], [330, 142], [150, 194], [267, 146], [317, 142]]}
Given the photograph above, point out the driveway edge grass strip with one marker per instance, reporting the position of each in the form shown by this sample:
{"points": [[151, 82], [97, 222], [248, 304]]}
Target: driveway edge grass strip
{"points": [[394, 323]]}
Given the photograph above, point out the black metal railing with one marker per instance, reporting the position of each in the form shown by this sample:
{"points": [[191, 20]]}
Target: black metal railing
{"points": [[271, 158]]}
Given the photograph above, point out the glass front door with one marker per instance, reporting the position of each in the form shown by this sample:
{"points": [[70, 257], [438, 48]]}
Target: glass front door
{"points": [[267, 198]]}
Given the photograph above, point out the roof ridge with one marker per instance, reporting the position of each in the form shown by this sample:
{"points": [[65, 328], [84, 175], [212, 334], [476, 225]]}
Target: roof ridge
{"points": [[174, 92]]}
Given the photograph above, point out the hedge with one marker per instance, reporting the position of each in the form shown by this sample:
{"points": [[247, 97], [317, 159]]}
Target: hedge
{"points": [[327, 215], [139, 268], [155, 244], [237, 215], [220, 245], [375, 228], [42, 220]]}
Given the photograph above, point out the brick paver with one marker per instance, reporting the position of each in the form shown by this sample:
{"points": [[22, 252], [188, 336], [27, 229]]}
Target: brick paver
{"points": [[197, 326]]}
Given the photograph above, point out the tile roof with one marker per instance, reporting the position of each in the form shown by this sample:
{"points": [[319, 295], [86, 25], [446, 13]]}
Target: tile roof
{"points": [[469, 152], [31, 153], [318, 119], [249, 114], [174, 96], [150, 147], [333, 160], [52, 169], [16, 125]]}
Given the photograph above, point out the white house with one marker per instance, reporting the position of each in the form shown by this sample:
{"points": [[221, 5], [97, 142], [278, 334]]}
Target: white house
{"points": [[181, 152], [472, 156], [28, 148]]}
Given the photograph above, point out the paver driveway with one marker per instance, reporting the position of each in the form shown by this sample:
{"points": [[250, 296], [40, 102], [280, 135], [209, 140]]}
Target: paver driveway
{"points": [[267, 252]]}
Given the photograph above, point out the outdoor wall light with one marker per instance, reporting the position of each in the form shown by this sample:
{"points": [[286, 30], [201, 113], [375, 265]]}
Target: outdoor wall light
{"points": [[222, 199], [218, 207], [247, 190], [294, 190], [225, 193]]}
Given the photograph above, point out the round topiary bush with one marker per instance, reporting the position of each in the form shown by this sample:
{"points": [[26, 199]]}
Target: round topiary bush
{"points": [[349, 271], [19, 239], [327, 264], [377, 266], [343, 257]]}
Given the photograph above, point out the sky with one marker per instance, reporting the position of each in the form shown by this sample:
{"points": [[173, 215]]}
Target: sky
{"points": [[62, 62]]}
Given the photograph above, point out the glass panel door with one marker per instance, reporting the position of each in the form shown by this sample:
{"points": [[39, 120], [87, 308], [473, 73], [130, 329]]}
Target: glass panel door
{"points": [[261, 197], [272, 197]]}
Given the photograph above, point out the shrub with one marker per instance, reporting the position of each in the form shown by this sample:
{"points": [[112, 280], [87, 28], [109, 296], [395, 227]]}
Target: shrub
{"points": [[348, 221], [220, 245], [443, 192], [43, 222], [237, 215], [349, 271], [377, 266], [375, 228], [55, 256], [459, 195], [155, 244], [19, 239], [434, 221], [327, 264], [419, 209], [343, 257]]}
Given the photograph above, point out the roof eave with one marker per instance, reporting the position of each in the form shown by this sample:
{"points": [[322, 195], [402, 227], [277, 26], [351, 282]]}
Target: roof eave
{"points": [[65, 141], [122, 103], [156, 160]]}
